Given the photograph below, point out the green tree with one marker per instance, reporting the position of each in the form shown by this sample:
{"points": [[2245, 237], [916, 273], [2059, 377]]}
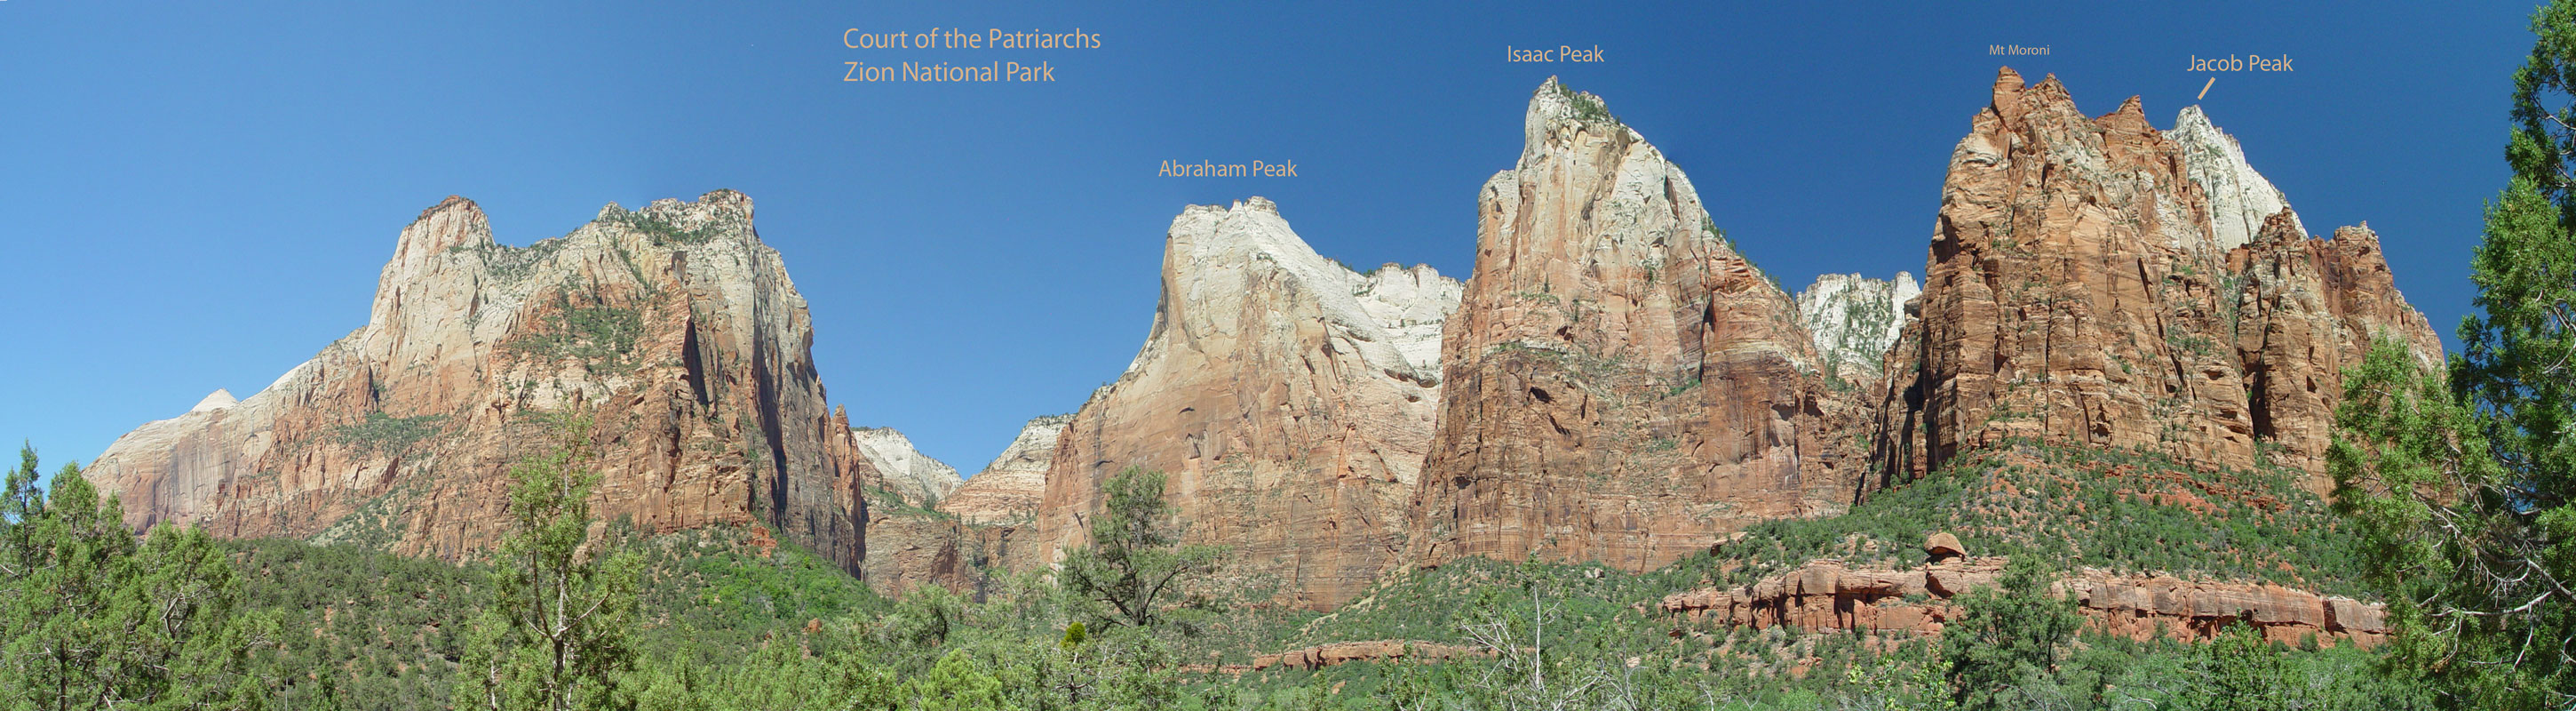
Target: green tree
{"points": [[2246, 672], [956, 683], [91, 618], [2463, 489], [2009, 637], [1136, 573], [555, 636]]}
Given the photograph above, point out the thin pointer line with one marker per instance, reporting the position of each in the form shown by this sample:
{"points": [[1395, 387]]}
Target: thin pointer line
{"points": [[2204, 89]]}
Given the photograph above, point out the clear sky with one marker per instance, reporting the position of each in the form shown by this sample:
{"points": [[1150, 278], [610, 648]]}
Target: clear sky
{"points": [[199, 195]]}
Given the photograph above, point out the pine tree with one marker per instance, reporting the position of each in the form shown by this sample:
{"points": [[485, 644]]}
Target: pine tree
{"points": [[2463, 488], [90, 618], [555, 636], [1136, 573], [2246, 672], [2009, 638]]}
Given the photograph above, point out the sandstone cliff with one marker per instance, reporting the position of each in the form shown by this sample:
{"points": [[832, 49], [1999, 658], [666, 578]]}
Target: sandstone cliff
{"points": [[1007, 491], [2096, 281], [1825, 595], [916, 479], [1621, 385], [1855, 320], [1288, 399], [674, 324]]}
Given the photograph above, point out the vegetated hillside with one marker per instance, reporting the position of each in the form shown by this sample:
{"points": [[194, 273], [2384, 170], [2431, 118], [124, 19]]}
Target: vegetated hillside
{"points": [[2067, 507], [2122, 511], [2126, 511], [366, 629]]}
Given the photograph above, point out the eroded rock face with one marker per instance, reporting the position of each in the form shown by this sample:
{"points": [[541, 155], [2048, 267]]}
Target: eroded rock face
{"points": [[1336, 653], [2239, 198], [1855, 320], [1288, 399], [673, 324], [908, 550], [915, 478], [1620, 384], [1008, 490], [986, 524], [1825, 595], [2095, 281], [2306, 311]]}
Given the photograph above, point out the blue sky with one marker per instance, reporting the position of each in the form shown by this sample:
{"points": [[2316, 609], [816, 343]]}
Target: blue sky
{"points": [[199, 195]]}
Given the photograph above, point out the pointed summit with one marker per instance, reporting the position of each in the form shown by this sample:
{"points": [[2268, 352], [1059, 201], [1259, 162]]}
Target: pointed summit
{"points": [[1605, 306], [1281, 393], [449, 223], [1558, 115], [2240, 200], [217, 400]]}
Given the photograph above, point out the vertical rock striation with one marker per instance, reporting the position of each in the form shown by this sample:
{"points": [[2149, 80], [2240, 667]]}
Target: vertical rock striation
{"points": [[1621, 385], [1288, 399], [673, 324], [2095, 281]]}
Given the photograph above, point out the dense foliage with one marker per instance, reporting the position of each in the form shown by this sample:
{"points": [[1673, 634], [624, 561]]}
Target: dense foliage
{"points": [[722, 618], [2466, 486], [92, 618], [557, 633], [1136, 573]]}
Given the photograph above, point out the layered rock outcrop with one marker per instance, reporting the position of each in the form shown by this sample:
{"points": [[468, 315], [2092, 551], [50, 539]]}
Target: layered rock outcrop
{"points": [[1620, 384], [915, 478], [1288, 399], [1855, 320], [908, 549], [1325, 655], [673, 325], [1008, 490], [2306, 311], [1825, 595], [2095, 281]]}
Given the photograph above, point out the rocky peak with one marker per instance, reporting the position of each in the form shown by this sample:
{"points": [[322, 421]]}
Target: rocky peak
{"points": [[1855, 319], [1032, 450], [1284, 395], [2240, 200], [916, 479], [426, 249], [453, 222], [1213, 252], [1559, 116], [674, 326], [1008, 490], [1620, 385], [217, 400], [2099, 283]]}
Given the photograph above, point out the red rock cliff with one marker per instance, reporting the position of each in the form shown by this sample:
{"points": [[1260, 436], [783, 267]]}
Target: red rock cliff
{"points": [[1620, 384], [2096, 281], [1287, 398], [674, 323]]}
